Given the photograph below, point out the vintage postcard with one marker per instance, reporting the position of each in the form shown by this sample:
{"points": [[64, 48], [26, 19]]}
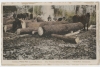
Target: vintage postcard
{"points": [[49, 33]]}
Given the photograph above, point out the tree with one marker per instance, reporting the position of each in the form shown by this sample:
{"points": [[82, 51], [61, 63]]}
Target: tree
{"points": [[7, 9], [77, 9], [57, 11], [30, 10], [37, 10], [60, 12], [84, 8]]}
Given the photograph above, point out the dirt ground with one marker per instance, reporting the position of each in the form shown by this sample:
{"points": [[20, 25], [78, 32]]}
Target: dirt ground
{"points": [[34, 47]]}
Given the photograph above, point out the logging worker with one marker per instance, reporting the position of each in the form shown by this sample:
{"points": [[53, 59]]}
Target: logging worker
{"points": [[39, 19], [27, 15], [16, 24], [31, 16], [55, 19], [49, 18]]}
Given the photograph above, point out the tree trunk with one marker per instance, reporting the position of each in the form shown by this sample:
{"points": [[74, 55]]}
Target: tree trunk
{"points": [[59, 28], [70, 39], [26, 31]]}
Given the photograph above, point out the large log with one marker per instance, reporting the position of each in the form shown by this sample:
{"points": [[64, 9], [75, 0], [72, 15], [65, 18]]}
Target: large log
{"points": [[26, 31], [38, 24], [53, 23], [33, 24], [10, 21], [32, 27], [59, 28], [70, 39], [92, 27], [8, 27], [28, 21]]}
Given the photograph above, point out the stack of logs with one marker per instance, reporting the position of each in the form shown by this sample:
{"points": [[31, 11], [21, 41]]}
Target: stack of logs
{"points": [[55, 29]]}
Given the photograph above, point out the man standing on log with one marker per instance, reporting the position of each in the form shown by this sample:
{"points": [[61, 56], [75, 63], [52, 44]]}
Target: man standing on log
{"points": [[49, 18]]}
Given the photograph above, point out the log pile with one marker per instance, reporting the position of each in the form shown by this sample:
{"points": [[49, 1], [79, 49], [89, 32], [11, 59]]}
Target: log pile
{"points": [[35, 25], [30, 24], [56, 29]]}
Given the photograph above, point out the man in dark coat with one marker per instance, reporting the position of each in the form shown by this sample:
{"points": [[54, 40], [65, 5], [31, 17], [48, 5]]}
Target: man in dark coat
{"points": [[16, 24]]}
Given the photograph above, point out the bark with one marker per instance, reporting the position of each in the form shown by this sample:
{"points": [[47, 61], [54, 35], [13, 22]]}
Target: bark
{"points": [[71, 34], [38, 24], [27, 21], [53, 23], [59, 28], [33, 24], [7, 21]]}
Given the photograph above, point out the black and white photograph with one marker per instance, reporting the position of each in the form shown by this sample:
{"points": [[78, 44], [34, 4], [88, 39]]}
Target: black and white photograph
{"points": [[49, 32]]}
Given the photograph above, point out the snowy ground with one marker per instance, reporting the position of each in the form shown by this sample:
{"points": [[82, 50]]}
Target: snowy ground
{"points": [[34, 47]]}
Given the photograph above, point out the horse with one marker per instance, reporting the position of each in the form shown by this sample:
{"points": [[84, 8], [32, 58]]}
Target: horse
{"points": [[84, 19]]}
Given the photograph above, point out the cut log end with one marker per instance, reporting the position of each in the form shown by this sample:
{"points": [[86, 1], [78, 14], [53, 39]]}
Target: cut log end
{"points": [[18, 31], [77, 40], [40, 31], [5, 28], [23, 23], [33, 32]]}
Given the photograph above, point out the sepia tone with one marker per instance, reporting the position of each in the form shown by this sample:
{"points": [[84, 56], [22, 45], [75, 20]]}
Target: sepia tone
{"points": [[49, 32]]}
